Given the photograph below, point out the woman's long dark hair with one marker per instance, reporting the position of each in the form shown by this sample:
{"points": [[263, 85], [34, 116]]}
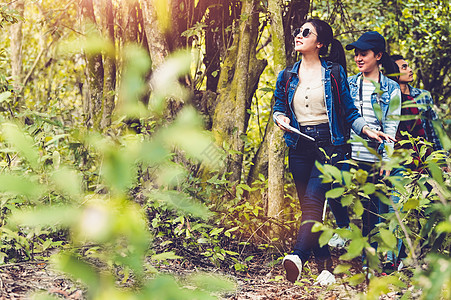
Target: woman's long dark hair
{"points": [[391, 69], [326, 37]]}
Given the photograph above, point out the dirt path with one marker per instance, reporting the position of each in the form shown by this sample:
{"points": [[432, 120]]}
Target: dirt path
{"points": [[261, 282]]}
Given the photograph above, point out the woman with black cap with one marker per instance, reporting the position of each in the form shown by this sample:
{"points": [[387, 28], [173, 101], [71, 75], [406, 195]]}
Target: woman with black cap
{"points": [[305, 100], [378, 107]]}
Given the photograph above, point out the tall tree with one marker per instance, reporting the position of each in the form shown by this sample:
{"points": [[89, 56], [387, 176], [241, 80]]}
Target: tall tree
{"points": [[109, 69], [16, 51], [94, 70], [235, 90], [276, 145]]}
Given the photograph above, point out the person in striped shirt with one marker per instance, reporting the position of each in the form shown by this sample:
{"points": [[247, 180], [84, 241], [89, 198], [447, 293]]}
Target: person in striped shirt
{"points": [[374, 106]]}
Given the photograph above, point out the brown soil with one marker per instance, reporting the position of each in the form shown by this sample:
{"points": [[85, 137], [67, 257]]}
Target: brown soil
{"points": [[261, 281]]}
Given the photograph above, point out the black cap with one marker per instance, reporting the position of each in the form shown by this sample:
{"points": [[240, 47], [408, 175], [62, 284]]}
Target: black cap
{"points": [[368, 40]]}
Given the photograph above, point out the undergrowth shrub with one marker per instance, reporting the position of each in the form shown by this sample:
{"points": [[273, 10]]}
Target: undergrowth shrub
{"points": [[84, 197], [422, 219]]}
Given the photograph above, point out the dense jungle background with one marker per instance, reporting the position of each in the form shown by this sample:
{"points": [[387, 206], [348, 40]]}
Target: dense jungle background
{"points": [[138, 158]]}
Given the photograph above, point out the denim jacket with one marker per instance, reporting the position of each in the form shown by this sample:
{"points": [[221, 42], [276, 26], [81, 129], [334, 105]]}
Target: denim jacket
{"points": [[390, 89], [426, 104], [336, 124]]}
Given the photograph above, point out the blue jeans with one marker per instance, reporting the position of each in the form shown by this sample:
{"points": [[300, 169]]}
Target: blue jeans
{"points": [[394, 256], [373, 206], [340, 212], [310, 188]]}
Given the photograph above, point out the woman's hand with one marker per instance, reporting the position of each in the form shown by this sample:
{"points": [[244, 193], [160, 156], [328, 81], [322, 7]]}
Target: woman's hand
{"points": [[283, 119], [377, 135]]}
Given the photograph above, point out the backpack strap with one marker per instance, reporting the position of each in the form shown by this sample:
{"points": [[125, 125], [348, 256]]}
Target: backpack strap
{"points": [[335, 79], [287, 78], [335, 76]]}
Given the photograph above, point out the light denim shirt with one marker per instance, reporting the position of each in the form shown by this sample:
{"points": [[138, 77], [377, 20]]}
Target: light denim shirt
{"points": [[390, 89]]}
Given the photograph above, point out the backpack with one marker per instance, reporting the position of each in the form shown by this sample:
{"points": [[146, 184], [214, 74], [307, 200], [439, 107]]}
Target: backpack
{"points": [[335, 78]]}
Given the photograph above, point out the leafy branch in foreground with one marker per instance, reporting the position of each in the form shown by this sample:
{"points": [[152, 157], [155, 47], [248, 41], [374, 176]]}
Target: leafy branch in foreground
{"points": [[95, 205], [421, 219]]}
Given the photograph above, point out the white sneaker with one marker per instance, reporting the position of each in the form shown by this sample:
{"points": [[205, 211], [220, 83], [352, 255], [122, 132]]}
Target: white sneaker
{"points": [[293, 267], [337, 241], [368, 273], [325, 278], [401, 265]]}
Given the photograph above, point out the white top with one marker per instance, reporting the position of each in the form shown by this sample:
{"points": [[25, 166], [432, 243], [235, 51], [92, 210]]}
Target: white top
{"points": [[360, 152], [309, 105]]}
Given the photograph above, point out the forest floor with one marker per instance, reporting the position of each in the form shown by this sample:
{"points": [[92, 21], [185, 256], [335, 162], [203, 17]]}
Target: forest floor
{"points": [[262, 281]]}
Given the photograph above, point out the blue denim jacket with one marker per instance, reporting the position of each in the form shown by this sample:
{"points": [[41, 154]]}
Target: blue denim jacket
{"points": [[424, 99], [390, 89], [336, 124]]}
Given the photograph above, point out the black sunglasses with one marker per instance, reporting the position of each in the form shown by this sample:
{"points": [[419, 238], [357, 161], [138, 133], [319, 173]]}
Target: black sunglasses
{"points": [[305, 33]]}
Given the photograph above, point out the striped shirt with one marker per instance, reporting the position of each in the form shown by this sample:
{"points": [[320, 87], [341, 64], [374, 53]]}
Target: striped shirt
{"points": [[359, 151]]}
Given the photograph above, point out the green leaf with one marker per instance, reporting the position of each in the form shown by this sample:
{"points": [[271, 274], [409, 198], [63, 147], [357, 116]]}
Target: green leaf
{"points": [[266, 89], [388, 237], [356, 279], [342, 268], [182, 202], [5, 97], [227, 232], [347, 200], [411, 203], [443, 136], [325, 237], [22, 142], [165, 256], [212, 282], [355, 248], [335, 193], [436, 172], [46, 215], [358, 208], [384, 199], [377, 111], [216, 231], [78, 269], [369, 188], [20, 185], [361, 176], [394, 104], [443, 227], [333, 171], [68, 181], [244, 187]]}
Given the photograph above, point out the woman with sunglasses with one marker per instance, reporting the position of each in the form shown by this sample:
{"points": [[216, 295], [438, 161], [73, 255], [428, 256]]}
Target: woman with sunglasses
{"points": [[306, 102]]}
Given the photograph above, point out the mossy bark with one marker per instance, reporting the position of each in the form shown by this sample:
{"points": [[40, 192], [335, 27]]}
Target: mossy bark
{"points": [[235, 87], [92, 106], [276, 145], [110, 71], [16, 52]]}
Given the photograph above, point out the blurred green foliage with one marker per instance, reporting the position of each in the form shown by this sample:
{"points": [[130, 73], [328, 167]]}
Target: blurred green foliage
{"points": [[73, 189], [114, 205]]}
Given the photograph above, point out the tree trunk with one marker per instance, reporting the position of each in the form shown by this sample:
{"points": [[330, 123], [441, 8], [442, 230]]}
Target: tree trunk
{"points": [[230, 118], [213, 44], [158, 47], [110, 70], [276, 143], [95, 75], [16, 52]]}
